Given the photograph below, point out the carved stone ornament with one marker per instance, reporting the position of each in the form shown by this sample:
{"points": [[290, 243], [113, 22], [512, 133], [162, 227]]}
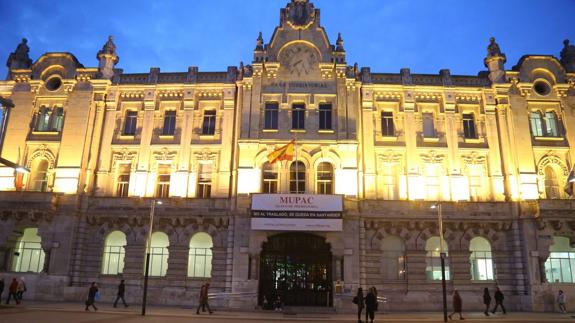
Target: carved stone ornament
{"points": [[432, 158], [390, 158], [551, 160], [165, 155], [42, 152], [300, 14], [205, 156], [474, 159], [123, 155]]}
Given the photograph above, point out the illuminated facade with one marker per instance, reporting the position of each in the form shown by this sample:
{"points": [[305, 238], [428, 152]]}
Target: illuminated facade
{"points": [[495, 148]]}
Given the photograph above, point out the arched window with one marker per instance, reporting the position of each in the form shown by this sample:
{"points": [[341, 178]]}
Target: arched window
{"points": [[297, 178], [114, 253], [159, 254], [552, 187], [200, 256], [270, 178], [38, 175], [393, 265], [536, 124], [28, 255], [324, 178], [433, 259], [481, 259], [560, 266]]}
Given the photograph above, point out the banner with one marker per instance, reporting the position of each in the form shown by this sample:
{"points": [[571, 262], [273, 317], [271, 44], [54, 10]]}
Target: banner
{"points": [[297, 212]]}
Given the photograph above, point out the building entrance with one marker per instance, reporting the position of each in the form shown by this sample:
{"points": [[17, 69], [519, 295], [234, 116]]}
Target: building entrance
{"points": [[296, 267]]}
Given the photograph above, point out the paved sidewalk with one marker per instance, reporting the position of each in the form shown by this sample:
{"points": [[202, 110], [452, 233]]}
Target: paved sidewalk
{"points": [[70, 313]]}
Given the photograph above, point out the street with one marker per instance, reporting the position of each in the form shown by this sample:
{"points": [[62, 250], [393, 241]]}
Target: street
{"points": [[74, 313]]}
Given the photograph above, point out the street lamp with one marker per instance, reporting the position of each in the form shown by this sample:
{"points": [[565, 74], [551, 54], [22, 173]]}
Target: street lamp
{"points": [[148, 248], [443, 255]]}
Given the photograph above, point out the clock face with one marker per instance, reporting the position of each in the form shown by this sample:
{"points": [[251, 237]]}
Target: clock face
{"points": [[299, 60]]}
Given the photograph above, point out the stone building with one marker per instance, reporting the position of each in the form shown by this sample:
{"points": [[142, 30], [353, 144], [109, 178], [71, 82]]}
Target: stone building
{"points": [[374, 152]]}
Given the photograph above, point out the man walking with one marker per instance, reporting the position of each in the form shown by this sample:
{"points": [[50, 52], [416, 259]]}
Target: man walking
{"points": [[204, 299], [120, 294], [499, 301], [92, 296], [13, 291]]}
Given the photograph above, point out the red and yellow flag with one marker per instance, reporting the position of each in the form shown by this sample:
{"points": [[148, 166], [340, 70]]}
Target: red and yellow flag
{"points": [[283, 153]]}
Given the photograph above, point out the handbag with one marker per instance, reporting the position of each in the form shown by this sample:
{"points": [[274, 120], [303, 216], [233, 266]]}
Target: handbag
{"points": [[355, 300], [97, 296]]}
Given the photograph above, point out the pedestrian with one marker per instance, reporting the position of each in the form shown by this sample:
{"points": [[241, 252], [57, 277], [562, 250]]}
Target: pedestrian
{"points": [[499, 301], [120, 294], [370, 305], [457, 305], [486, 300], [204, 299], [21, 288], [91, 299], [358, 300], [1, 287], [13, 291], [561, 301], [278, 304]]}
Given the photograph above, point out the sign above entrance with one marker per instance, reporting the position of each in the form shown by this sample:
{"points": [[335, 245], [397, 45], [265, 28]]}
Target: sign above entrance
{"points": [[297, 212]]}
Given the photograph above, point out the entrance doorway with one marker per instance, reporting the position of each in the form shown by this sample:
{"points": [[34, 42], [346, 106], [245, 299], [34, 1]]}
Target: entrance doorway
{"points": [[296, 267]]}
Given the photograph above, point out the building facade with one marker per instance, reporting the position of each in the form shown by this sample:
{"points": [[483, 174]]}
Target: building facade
{"points": [[492, 152]]}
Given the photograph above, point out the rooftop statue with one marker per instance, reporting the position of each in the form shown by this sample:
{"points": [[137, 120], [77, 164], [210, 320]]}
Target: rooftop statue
{"points": [[493, 49], [568, 56], [109, 47], [20, 59]]}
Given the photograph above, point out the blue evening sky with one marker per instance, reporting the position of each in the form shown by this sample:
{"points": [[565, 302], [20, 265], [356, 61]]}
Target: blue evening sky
{"points": [[385, 35]]}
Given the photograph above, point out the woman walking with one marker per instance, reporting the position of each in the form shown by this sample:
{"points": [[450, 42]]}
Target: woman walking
{"points": [[92, 296], [486, 300], [358, 300], [457, 305], [561, 301]]}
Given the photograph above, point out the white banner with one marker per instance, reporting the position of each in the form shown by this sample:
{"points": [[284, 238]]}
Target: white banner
{"points": [[297, 202], [297, 212]]}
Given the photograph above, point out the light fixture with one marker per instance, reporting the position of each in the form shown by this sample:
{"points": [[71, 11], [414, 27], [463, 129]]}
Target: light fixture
{"points": [[159, 202], [18, 168]]}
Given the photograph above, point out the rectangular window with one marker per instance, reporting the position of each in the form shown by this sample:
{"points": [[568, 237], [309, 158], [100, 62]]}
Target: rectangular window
{"points": [[42, 120], [469, 130], [169, 123], [298, 116], [551, 124], [387, 126], [481, 265], [130, 123], [428, 126], [536, 124], [209, 124], [163, 182], [270, 179], [560, 267], [28, 257], [205, 181], [271, 116], [325, 116], [123, 185], [113, 262], [433, 266], [57, 119]]}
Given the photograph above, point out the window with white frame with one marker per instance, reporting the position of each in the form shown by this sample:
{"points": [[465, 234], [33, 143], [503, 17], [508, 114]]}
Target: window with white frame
{"points": [[433, 181], [209, 123], [271, 110], [536, 124], [433, 259], [393, 260], [270, 178], [49, 119], [325, 116], [204, 181], [560, 265], [38, 179], [324, 178], [114, 253], [297, 178], [387, 125], [551, 124], [428, 125], [169, 128], [159, 254], [200, 255], [163, 181], [130, 123], [28, 255], [481, 259], [123, 180]]}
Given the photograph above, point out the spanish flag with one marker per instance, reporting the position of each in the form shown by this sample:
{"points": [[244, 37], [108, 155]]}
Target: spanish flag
{"points": [[283, 153]]}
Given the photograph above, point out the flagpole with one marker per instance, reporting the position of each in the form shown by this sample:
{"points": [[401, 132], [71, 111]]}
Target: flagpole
{"points": [[297, 165]]}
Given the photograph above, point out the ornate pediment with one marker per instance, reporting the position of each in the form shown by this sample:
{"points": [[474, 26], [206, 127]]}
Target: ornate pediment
{"points": [[165, 155], [474, 159], [552, 160], [123, 155], [432, 157]]}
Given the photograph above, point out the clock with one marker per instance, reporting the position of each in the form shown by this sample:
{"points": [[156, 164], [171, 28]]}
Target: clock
{"points": [[299, 60]]}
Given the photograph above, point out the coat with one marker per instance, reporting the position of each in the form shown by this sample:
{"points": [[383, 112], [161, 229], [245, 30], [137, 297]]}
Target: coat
{"points": [[370, 302], [499, 296], [121, 289], [13, 286], [92, 293], [486, 299], [204, 294], [457, 303]]}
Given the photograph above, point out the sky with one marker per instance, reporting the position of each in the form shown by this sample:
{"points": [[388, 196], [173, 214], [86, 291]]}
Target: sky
{"points": [[386, 35]]}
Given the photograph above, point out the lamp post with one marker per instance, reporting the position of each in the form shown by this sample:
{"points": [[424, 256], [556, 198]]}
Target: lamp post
{"points": [[148, 248], [443, 255]]}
